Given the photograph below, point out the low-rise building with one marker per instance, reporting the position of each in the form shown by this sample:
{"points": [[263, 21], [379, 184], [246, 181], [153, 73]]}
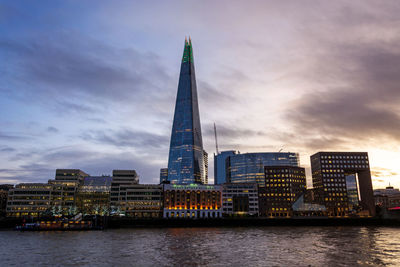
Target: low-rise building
{"points": [[93, 196], [4, 188], [144, 201], [29, 200], [283, 185], [192, 201], [240, 199]]}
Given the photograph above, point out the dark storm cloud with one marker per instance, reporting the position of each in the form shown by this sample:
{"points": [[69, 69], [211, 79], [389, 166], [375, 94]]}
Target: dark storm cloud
{"points": [[127, 138], [359, 96], [64, 66]]}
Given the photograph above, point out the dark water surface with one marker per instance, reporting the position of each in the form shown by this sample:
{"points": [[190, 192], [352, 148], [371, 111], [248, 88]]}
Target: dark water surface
{"points": [[269, 246]]}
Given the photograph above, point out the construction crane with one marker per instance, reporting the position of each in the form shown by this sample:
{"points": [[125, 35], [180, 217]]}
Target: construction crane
{"points": [[216, 140]]}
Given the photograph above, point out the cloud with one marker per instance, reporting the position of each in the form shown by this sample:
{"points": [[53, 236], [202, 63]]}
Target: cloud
{"points": [[52, 129], [127, 138], [7, 149]]}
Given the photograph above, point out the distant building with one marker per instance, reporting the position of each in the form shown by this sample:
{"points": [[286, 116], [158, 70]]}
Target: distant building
{"points": [[249, 167], [220, 166], [342, 183], [144, 201], [192, 201], [93, 196], [122, 180], [163, 175], [240, 199], [388, 198], [4, 188], [283, 185], [29, 200], [186, 156], [205, 170]]}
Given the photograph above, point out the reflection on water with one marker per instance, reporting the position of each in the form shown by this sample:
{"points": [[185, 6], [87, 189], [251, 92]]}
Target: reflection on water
{"points": [[282, 246]]}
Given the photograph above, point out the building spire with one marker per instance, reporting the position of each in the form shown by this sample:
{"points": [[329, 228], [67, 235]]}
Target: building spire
{"points": [[187, 51]]}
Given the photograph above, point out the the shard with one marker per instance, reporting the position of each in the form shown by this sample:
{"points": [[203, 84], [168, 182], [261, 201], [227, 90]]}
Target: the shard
{"points": [[186, 158]]}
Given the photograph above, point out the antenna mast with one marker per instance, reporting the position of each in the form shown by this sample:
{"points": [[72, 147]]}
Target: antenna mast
{"points": [[216, 140]]}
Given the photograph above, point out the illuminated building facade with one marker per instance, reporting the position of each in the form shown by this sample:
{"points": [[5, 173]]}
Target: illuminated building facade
{"points": [[240, 199], [4, 188], [205, 171], [249, 167], [29, 200], [93, 196], [64, 189], [192, 201], [122, 180], [163, 175], [337, 177], [186, 157], [283, 186], [144, 201]]}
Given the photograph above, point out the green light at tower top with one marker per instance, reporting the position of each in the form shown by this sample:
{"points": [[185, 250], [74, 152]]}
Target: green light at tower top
{"points": [[187, 52]]}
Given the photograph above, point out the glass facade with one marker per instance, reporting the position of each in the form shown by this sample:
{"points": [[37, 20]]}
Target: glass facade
{"points": [[186, 159], [249, 167], [220, 166]]}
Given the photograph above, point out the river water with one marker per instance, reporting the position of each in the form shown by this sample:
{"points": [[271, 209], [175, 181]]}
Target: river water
{"points": [[267, 246]]}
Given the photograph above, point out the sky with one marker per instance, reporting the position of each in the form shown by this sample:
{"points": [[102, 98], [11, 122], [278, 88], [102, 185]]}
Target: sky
{"points": [[92, 84]]}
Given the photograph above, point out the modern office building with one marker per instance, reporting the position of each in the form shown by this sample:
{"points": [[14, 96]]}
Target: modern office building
{"points": [[29, 200], [93, 196], [283, 185], [186, 158], [144, 201], [205, 171], [4, 188], [337, 176], [220, 166], [240, 199], [64, 189], [192, 201], [163, 175], [249, 167], [122, 180]]}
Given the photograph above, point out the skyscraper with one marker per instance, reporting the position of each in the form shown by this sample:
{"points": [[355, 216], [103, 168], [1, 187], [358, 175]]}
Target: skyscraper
{"points": [[186, 159]]}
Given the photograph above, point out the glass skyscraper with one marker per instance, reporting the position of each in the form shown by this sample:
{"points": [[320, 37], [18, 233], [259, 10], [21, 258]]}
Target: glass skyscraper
{"points": [[249, 167], [186, 158]]}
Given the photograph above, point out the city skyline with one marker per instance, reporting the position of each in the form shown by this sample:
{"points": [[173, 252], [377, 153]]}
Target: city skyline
{"points": [[82, 91]]}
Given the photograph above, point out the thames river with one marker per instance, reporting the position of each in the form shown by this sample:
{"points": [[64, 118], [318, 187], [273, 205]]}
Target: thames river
{"points": [[268, 246]]}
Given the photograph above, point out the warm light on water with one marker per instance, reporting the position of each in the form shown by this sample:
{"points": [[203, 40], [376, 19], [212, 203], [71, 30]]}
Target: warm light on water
{"points": [[269, 246]]}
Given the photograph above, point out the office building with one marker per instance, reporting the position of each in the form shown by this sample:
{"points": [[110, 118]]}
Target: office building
{"points": [[240, 199], [4, 188], [220, 166], [64, 189], [144, 201], [29, 200], [249, 167], [186, 158], [93, 196], [205, 170], [283, 185], [163, 175], [122, 180], [192, 201], [342, 183]]}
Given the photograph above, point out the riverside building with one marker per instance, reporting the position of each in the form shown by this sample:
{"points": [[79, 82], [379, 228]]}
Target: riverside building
{"points": [[186, 155], [283, 186], [240, 199], [29, 200], [342, 183], [249, 167], [192, 201], [122, 180], [4, 188], [144, 201]]}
